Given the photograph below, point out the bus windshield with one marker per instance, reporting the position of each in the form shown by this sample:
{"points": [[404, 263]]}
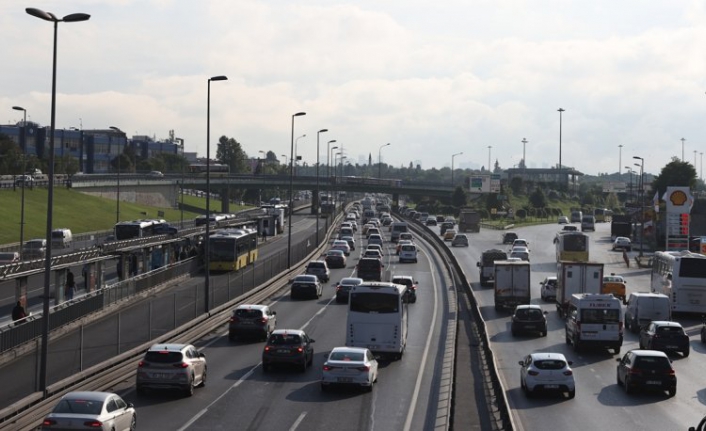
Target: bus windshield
{"points": [[575, 243], [373, 302]]}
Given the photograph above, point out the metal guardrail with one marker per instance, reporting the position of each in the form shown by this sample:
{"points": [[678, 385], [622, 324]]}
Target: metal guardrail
{"points": [[29, 267]]}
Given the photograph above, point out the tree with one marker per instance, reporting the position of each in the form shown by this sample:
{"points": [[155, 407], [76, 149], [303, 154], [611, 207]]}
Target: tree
{"points": [[517, 185], [458, 199], [675, 173], [538, 199], [231, 153]]}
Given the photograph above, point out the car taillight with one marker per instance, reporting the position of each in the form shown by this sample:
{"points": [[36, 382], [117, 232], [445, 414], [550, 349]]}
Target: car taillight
{"points": [[671, 372], [93, 424], [300, 349], [262, 320], [141, 364], [267, 348], [635, 371], [234, 320], [363, 368], [338, 288], [48, 422], [532, 373], [568, 373], [181, 365], [328, 368]]}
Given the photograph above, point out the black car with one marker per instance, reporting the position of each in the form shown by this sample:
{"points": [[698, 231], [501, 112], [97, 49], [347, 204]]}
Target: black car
{"points": [[370, 268], [288, 346], [445, 226], [529, 319], [665, 336], [509, 237], [431, 221], [646, 369]]}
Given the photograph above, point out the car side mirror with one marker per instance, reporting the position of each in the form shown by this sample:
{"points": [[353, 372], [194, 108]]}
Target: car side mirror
{"points": [[522, 363], [202, 355], [570, 362], [130, 405], [311, 340], [274, 313]]}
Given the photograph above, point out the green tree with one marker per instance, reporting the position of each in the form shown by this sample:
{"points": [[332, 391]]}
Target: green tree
{"points": [[538, 199], [517, 185], [674, 173], [458, 199], [612, 201], [231, 153]]}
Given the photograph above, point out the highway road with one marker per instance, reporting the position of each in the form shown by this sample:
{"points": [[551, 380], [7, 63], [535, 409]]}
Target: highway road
{"points": [[599, 402], [239, 395]]}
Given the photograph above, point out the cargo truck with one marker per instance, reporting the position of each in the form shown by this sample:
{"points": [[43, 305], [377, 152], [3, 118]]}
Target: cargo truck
{"points": [[621, 225], [486, 265], [512, 283], [469, 220], [576, 277]]}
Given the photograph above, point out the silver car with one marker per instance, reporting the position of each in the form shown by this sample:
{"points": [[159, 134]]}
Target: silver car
{"points": [[171, 366], [91, 410]]}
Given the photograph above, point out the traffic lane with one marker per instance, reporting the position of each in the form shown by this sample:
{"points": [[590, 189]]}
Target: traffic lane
{"points": [[601, 401], [275, 400]]}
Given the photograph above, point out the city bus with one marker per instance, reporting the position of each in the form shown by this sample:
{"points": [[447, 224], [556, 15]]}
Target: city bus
{"points": [[232, 249], [135, 229], [571, 246], [214, 169], [377, 318], [681, 275], [603, 215]]}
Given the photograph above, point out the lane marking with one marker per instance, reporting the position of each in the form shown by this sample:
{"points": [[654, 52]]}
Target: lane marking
{"points": [[297, 422]]}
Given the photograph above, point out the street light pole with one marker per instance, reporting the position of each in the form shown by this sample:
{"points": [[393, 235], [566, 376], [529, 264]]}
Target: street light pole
{"points": [[24, 161], [328, 156], [489, 168], [630, 187], [74, 17], [291, 191], [207, 239], [561, 111], [524, 160], [641, 194], [695, 159], [682, 149], [317, 198], [285, 159], [120, 156], [296, 152], [701, 169], [183, 168], [620, 160], [452, 166], [380, 159]]}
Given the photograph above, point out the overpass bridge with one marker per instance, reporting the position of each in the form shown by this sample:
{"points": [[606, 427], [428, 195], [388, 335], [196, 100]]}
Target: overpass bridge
{"points": [[165, 191]]}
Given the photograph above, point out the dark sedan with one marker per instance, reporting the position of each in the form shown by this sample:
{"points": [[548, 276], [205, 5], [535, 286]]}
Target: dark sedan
{"points": [[665, 336], [335, 259]]}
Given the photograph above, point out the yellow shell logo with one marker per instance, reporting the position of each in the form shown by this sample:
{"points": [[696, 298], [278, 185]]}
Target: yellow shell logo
{"points": [[678, 198]]}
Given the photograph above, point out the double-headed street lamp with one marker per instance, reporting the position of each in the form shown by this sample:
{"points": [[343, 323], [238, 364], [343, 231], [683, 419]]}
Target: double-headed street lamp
{"points": [[630, 183], [47, 16], [24, 161], [317, 198], [120, 156], [524, 160], [285, 159], [296, 152], [641, 193], [291, 191], [329, 156], [453, 156], [380, 159], [207, 245]]}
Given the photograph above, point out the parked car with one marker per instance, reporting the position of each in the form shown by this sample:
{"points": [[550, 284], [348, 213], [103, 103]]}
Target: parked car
{"points": [[343, 288], [548, 290], [171, 366], [529, 318], [306, 285], [509, 237], [544, 371], [290, 347], [350, 366], [319, 269], [252, 320], [335, 259], [459, 240], [646, 370], [665, 336], [622, 243], [103, 411]]}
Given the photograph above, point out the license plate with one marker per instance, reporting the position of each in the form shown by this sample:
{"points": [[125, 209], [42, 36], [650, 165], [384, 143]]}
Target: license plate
{"points": [[282, 350], [344, 380], [653, 382], [671, 347], [551, 386], [529, 326], [373, 346]]}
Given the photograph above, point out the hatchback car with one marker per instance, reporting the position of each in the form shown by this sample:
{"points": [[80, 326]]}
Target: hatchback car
{"points": [[375, 239], [251, 320], [449, 234], [622, 243], [103, 411], [171, 366], [408, 253], [306, 286], [335, 259], [350, 366], [459, 240], [411, 284], [288, 346], [646, 369], [519, 242], [529, 318], [351, 242], [343, 288], [509, 237], [563, 220], [372, 253], [544, 371], [341, 244], [665, 336], [548, 289], [319, 269], [520, 252], [431, 221]]}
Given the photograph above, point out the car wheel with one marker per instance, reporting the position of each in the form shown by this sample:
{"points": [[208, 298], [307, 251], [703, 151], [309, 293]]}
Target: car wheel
{"points": [[190, 388], [265, 368], [686, 353], [617, 378], [203, 377], [133, 422], [324, 388], [572, 394], [627, 385], [672, 392]]}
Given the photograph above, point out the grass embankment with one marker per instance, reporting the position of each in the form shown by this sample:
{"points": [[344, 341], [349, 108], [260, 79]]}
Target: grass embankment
{"points": [[78, 212], [519, 202]]}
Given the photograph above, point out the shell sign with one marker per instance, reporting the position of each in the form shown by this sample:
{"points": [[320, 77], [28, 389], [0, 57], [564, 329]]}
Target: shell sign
{"points": [[679, 200]]}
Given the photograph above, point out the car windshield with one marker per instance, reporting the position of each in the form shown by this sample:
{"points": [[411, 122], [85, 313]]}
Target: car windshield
{"points": [[163, 357], [652, 363], [549, 364], [529, 314], [346, 356], [83, 407], [670, 330], [284, 339], [248, 314]]}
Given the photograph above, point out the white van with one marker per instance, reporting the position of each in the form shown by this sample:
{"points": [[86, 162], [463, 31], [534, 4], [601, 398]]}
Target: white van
{"points": [[408, 253], [61, 238], [594, 320], [642, 308], [588, 222]]}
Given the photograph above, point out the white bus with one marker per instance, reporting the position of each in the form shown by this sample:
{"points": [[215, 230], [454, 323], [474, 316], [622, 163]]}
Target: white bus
{"points": [[681, 275], [135, 229], [377, 318]]}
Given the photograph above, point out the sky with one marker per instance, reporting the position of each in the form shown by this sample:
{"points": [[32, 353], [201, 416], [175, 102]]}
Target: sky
{"points": [[432, 78]]}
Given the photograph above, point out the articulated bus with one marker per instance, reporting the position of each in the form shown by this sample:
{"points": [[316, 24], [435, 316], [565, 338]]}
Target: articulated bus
{"points": [[681, 275], [571, 246], [214, 169], [603, 215], [232, 249], [135, 229], [377, 318]]}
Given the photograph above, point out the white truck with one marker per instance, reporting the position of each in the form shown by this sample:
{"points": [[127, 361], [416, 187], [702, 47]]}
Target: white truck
{"points": [[576, 277], [512, 283]]}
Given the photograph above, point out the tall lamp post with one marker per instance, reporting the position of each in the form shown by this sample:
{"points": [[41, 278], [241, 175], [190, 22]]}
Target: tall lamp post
{"points": [[452, 166], [24, 161], [630, 186], [120, 156], [561, 111], [682, 149], [47, 16], [296, 152], [285, 159], [701, 167], [380, 159], [207, 240], [183, 168], [620, 160], [524, 160], [317, 199], [641, 193], [328, 156], [490, 147], [291, 191]]}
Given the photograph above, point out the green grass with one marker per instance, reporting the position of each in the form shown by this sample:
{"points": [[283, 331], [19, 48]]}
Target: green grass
{"points": [[78, 212]]}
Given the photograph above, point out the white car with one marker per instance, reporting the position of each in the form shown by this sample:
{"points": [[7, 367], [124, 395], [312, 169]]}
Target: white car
{"points": [[350, 366], [350, 240], [342, 245], [521, 252], [544, 371], [103, 411], [520, 243], [548, 291], [623, 243]]}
